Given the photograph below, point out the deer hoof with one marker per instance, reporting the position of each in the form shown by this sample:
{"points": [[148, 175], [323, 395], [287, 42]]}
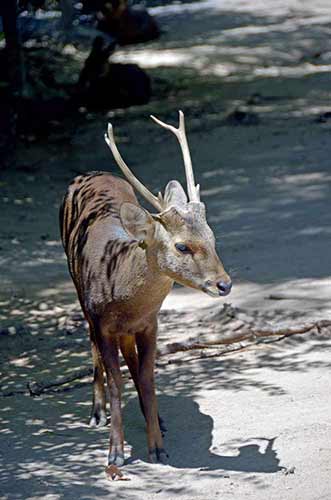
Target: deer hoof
{"points": [[98, 419], [116, 458], [158, 456]]}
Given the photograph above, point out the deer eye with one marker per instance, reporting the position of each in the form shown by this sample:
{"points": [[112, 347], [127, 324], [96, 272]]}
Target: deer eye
{"points": [[182, 248]]}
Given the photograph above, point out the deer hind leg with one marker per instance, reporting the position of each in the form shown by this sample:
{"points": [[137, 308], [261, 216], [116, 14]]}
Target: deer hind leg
{"points": [[129, 352], [146, 344], [98, 415]]}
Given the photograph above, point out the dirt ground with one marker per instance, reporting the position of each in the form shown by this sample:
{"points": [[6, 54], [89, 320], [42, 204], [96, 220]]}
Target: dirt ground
{"points": [[254, 81]]}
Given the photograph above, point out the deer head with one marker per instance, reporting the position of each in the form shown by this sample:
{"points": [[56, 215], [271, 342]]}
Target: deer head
{"points": [[177, 239]]}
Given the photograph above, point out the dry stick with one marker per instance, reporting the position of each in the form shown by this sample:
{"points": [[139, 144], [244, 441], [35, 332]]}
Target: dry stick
{"points": [[222, 352], [35, 388], [283, 296], [203, 355], [248, 334]]}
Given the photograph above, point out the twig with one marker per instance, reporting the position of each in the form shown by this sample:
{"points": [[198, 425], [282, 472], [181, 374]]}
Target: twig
{"points": [[221, 352], [245, 334], [6, 394], [236, 326], [283, 296], [37, 388]]}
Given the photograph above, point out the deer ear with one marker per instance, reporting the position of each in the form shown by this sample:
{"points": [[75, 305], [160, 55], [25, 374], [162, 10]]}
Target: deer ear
{"points": [[174, 195], [137, 222]]}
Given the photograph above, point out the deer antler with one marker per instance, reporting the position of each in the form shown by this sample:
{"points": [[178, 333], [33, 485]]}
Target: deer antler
{"points": [[193, 190], [153, 200]]}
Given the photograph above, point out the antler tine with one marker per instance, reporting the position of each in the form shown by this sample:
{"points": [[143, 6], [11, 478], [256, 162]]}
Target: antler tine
{"points": [[192, 189], [153, 200]]}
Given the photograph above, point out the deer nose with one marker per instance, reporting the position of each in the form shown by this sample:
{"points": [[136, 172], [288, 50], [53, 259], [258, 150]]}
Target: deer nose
{"points": [[224, 288]]}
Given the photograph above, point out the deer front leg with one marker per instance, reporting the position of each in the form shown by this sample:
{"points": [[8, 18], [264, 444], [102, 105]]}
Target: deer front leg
{"points": [[146, 344], [110, 358]]}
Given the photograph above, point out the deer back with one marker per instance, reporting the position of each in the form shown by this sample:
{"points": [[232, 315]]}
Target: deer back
{"points": [[96, 244]]}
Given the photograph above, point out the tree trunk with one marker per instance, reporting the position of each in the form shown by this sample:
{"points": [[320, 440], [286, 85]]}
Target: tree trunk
{"points": [[12, 94]]}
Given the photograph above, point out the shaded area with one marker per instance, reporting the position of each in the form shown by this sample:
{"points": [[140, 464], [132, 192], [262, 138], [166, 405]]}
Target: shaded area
{"points": [[279, 184], [253, 82], [189, 441], [48, 446], [42, 49]]}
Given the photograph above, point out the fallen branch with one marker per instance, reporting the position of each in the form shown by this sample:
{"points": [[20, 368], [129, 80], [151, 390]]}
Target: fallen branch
{"points": [[231, 325], [219, 352], [14, 392], [283, 296], [245, 334], [37, 388]]}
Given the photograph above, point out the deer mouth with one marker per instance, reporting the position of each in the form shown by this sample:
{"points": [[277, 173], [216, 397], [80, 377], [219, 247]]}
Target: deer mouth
{"points": [[211, 291], [219, 289]]}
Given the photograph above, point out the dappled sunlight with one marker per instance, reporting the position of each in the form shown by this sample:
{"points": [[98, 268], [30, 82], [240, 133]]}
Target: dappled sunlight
{"points": [[204, 60], [54, 448], [302, 179], [36, 329], [243, 52], [253, 79], [255, 42]]}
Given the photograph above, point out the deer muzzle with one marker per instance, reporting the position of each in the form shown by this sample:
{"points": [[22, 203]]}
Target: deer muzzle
{"points": [[224, 287], [218, 288]]}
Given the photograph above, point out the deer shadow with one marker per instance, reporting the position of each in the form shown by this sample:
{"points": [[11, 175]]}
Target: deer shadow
{"points": [[188, 440]]}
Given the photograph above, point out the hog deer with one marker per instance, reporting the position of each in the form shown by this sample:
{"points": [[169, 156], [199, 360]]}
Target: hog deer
{"points": [[123, 261], [129, 24], [106, 85]]}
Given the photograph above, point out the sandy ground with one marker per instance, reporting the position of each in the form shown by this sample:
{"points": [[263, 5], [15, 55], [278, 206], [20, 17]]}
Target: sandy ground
{"points": [[253, 424]]}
